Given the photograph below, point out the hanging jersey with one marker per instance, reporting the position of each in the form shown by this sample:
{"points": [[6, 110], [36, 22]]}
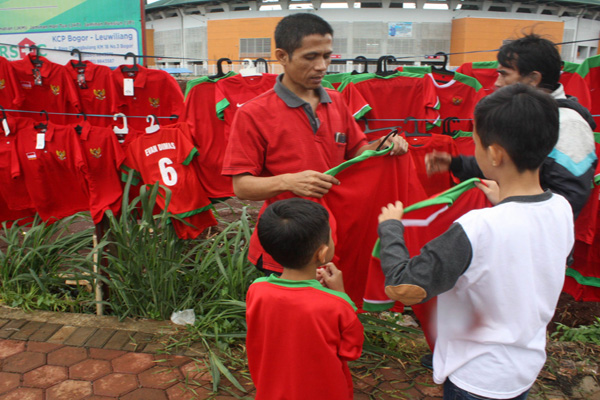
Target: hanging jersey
{"points": [[48, 87], [152, 91], [486, 73], [395, 97], [52, 166], [458, 95], [11, 94], [464, 143], [589, 70], [165, 157], [415, 69], [104, 157], [208, 136], [575, 85], [13, 190], [335, 80], [96, 89], [235, 91]]}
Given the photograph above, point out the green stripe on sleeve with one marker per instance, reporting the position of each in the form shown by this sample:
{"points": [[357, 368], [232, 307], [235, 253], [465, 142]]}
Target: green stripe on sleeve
{"points": [[191, 156], [221, 106], [583, 280]]}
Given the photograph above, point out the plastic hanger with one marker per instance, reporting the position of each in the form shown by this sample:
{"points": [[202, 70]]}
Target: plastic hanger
{"points": [[416, 132], [446, 126], [263, 62], [79, 128], [124, 130], [220, 72], [249, 69], [5, 122], [36, 61], [440, 68], [392, 133], [79, 63], [364, 61], [41, 125], [382, 65], [134, 67], [153, 127]]}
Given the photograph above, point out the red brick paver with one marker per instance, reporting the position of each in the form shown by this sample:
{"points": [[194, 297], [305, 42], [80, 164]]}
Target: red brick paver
{"points": [[45, 376], [23, 362], [115, 385], [67, 356], [72, 390]]}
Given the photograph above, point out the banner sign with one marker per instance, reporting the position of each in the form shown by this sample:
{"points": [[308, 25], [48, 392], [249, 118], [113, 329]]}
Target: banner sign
{"points": [[400, 29], [113, 27]]}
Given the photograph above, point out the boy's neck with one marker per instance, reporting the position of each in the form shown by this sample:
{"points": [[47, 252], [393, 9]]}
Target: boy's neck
{"points": [[306, 273], [520, 184]]}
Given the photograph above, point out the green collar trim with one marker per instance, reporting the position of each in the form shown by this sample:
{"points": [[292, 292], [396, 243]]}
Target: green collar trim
{"points": [[583, 280], [191, 156], [364, 77], [310, 283], [203, 79], [460, 134], [485, 65], [363, 156]]}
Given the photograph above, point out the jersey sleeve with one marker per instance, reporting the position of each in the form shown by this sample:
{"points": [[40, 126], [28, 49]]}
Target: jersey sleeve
{"points": [[356, 102], [221, 100], [431, 103], [352, 340], [246, 149]]}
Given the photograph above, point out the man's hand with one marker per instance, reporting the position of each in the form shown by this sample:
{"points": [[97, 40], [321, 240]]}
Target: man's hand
{"points": [[437, 161], [490, 189], [331, 277], [400, 144], [309, 183], [392, 211]]}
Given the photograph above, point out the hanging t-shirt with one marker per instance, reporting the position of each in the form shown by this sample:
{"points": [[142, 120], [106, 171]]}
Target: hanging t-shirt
{"points": [[96, 90], [208, 136], [152, 91], [458, 95], [52, 165], [48, 87], [11, 94], [233, 92], [575, 85], [164, 157], [589, 70], [395, 97], [486, 72], [464, 143], [13, 190], [104, 157]]}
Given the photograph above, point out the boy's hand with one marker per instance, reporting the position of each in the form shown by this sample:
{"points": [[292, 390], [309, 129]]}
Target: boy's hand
{"points": [[392, 211], [437, 161], [490, 189], [331, 277]]}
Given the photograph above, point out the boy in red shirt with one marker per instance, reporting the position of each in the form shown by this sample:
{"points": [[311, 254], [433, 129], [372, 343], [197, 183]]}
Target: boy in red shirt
{"points": [[302, 327]]}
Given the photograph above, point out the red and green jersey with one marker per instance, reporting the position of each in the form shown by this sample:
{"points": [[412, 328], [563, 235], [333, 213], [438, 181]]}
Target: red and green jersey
{"points": [[13, 190], [164, 157], [395, 97], [96, 89], [208, 133], [589, 70], [11, 94], [52, 166], [575, 85], [486, 72], [415, 69], [335, 80], [52, 91], [154, 92], [299, 339], [464, 143], [458, 95]]}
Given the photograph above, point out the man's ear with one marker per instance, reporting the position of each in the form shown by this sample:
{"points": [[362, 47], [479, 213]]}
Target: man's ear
{"points": [[282, 56], [534, 78], [321, 254], [496, 154]]}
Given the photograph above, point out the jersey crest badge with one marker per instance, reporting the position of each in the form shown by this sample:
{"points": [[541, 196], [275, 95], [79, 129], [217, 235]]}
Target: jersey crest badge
{"points": [[457, 101], [100, 94], [31, 156], [154, 102], [97, 153], [61, 154], [2, 84], [55, 90]]}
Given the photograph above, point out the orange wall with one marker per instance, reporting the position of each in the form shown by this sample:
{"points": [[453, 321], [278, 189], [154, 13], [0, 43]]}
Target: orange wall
{"points": [[149, 50], [472, 34], [224, 35]]}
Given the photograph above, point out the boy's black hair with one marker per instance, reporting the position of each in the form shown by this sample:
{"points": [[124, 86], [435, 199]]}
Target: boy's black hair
{"points": [[292, 29], [292, 230], [521, 119], [533, 53]]}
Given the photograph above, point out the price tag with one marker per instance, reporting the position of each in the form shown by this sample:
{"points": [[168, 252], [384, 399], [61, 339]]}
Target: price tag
{"points": [[127, 87], [5, 127], [81, 78], [41, 141], [37, 77]]}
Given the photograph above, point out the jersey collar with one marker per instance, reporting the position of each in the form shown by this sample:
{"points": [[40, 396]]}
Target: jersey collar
{"points": [[85, 130], [45, 68], [292, 100], [140, 78], [90, 68]]}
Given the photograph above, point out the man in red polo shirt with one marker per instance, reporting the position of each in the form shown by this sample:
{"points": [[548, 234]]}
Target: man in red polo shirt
{"points": [[283, 141]]}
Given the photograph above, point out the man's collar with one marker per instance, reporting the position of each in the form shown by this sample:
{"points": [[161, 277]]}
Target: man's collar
{"points": [[292, 100]]}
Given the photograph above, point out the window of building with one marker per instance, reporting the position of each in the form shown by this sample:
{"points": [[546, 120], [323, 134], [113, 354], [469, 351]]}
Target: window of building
{"points": [[255, 47]]}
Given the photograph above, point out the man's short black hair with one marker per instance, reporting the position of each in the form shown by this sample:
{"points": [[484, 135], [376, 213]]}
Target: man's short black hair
{"points": [[533, 53], [521, 119], [292, 230], [292, 29]]}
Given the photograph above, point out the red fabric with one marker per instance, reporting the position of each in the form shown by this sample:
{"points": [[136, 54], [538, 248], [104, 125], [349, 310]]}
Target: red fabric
{"points": [[164, 157], [465, 145], [422, 145], [457, 99], [587, 263], [7, 215], [56, 94], [355, 204], [208, 133], [98, 95], [13, 190], [237, 90], [11, 94], [575, 86], [53, 175], [155, 92], [355, 101], [399, 97], [486, 76], [298, 342], [269, 138], [592, 79], [104, 157]]}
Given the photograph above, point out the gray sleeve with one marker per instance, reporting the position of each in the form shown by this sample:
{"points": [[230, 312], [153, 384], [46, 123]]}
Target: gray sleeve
{"points": [[441, 262]]}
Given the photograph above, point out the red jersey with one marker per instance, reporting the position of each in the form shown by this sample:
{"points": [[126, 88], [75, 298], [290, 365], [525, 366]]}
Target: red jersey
{"points": [[414, 96], [13, 190], [299, 339], [52, 89], [96, 90], [486, 72], [575, 85], [53, 174], [464, 143], [165, 157], [233, 92], [154, 92], [208, 132], [458, 95], [11, 94], [104, 157], [419, 146]]}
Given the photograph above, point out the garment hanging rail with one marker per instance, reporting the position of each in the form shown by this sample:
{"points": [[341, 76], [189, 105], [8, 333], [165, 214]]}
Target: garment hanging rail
{"points": [[89, 115]]}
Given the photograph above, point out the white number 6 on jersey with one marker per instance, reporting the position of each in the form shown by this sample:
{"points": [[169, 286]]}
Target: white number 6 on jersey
{"points": [[169, 175]]}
